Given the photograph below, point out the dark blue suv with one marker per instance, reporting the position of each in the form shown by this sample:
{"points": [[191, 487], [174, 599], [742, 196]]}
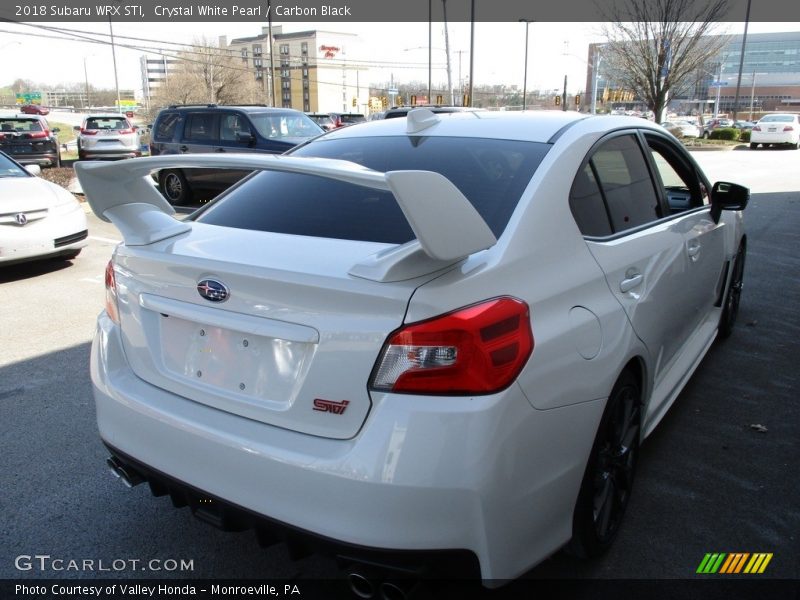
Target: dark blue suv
{"points": [[184, 129]]}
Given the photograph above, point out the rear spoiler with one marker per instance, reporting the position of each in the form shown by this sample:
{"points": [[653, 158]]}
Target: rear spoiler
{"points": [[446, 225]]}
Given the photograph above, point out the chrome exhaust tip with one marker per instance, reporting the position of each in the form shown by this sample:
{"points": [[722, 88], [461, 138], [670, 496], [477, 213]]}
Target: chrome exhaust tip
{"points": [[125, 474], [361, 585]]}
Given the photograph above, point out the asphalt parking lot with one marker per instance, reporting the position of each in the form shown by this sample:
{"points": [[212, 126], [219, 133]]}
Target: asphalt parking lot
{"points": [[718, 475]]}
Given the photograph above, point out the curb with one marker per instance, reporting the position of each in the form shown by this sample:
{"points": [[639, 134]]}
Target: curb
{"points": [[710, 148]]}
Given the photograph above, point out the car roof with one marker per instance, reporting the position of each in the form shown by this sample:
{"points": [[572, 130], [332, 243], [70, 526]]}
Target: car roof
{"points": [[262, 108], [21, 116], [106, 116], [536, 126]]}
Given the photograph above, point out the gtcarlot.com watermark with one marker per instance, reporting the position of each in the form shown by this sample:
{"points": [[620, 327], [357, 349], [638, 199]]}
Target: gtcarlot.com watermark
{"points": [[45, 563]]}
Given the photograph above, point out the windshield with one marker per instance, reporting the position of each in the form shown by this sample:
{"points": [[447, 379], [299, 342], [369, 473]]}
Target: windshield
{"points": [[107, 123], [491, 173], [279, 125], [8, 168]]}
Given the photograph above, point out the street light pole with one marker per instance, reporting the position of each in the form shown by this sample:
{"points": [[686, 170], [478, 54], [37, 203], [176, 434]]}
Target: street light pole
{"points": [[86, 78], [525, 75], [114, 58], [596, 77], [752, 96]]}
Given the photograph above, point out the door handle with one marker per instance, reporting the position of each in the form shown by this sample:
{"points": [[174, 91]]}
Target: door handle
{"points": [[183, 148], [631, 281], [693, 249], [220, 150]]}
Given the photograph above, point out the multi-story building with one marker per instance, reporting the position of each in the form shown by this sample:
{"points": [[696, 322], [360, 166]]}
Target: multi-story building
{"points": [[770, 75], [155, 71], [313, 71]]}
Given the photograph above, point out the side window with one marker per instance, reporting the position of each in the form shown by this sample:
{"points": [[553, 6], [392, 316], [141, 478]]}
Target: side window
{"points": [[680, 182], [614, 190], [200, 127], [230, 125], [165, 128], [625, 181], [586, 203]]}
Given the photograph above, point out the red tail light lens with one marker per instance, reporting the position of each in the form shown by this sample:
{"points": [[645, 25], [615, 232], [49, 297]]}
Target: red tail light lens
{"points": [[788, 128], [121, 131], [111, 293], [480, 349], [756, 128], [88, 131], [39, 134]]}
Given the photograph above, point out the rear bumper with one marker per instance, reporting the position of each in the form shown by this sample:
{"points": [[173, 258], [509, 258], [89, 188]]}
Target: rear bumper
{"points": [[760, 137], [48, 159], [489, 477], [110, 153]]}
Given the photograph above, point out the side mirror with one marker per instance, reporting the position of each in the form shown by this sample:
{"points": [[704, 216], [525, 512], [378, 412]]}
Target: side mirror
{"points": [[76, 128], [728, 196], [245, 137], [35, 170], [55, 130], [135, 127]]}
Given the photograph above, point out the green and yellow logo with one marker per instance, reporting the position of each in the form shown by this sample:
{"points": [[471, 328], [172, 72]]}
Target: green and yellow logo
{"points": [[734, 563]]}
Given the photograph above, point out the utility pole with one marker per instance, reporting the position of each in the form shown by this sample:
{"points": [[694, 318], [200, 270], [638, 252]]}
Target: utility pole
{"points": [[741, 62], [525, 75], [596, 77], [271, 79], [564, 96], [447, 52]]}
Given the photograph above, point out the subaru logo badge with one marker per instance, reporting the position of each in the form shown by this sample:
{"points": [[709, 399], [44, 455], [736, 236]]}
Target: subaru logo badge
{"points": [[21, 218], [213, 290]]}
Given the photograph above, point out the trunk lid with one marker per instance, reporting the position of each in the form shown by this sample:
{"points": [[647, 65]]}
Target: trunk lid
{"points": [[293, 344]]}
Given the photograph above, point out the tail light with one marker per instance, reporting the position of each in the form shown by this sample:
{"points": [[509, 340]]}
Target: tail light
{"points": [[756, 128], [788, 128], [480, 349], [111, 293], [129, 130], [88, 131], [39, 134]]}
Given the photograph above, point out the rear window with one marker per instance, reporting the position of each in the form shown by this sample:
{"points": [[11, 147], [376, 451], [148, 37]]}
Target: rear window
{"points": [[107, 123], [20, 125], [777, 119], [491, 173], [165, 126]]}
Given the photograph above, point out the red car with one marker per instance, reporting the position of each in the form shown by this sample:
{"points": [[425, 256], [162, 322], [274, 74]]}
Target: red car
{"points": [[34, 109]]}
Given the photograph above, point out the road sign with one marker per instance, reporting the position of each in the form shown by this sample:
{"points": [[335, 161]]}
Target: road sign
{"points": [[717, 83], [29, 98]]}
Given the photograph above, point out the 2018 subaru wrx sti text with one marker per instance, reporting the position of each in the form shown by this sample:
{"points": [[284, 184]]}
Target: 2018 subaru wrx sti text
{"points": [[438, 333]]}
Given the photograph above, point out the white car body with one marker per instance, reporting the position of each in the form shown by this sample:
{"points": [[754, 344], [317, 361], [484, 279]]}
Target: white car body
{"points": [[38, 219], [269, 400], [776, 129]]}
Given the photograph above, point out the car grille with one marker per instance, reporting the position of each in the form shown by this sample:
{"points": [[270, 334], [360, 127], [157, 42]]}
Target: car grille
{"points": [[70, 239]]}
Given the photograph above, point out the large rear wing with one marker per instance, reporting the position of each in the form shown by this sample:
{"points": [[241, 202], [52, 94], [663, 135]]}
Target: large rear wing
{"points": [[444, 222]]}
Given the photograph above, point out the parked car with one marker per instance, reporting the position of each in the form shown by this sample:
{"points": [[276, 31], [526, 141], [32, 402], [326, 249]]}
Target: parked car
{"points": [[190, 129], [401, 111], [34, 109], [107, 136], [744, 125], [323, 120], [715, 124], [342, 119], [682, 128], [30, 140], [451, 346], [38, 219], [778, 129]]}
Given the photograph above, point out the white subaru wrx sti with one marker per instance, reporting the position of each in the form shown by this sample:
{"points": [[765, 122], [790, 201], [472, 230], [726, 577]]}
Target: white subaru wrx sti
{"points": [[440, 333]]}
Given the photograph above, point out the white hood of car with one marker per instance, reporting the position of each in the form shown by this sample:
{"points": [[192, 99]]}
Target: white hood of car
{"points": [[24, 194]]}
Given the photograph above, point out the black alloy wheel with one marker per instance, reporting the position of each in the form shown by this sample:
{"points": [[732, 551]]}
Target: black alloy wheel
{"points": [[174, 187], [731, 306], [608, 480]]}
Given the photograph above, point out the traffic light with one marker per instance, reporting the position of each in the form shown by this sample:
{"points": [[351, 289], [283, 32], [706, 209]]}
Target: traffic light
{"points": [[413, 100], [355, 102], [577, 99], [384, 102], [439, 99], [558, 100]]}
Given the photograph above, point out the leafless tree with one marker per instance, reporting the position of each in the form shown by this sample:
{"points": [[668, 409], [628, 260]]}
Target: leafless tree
{"points": [[208, 74], [658, 47]]}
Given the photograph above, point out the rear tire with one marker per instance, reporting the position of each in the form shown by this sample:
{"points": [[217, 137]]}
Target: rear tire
{"points": [[608, 480], [174, 187], [730, 308], [753, 146]]}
